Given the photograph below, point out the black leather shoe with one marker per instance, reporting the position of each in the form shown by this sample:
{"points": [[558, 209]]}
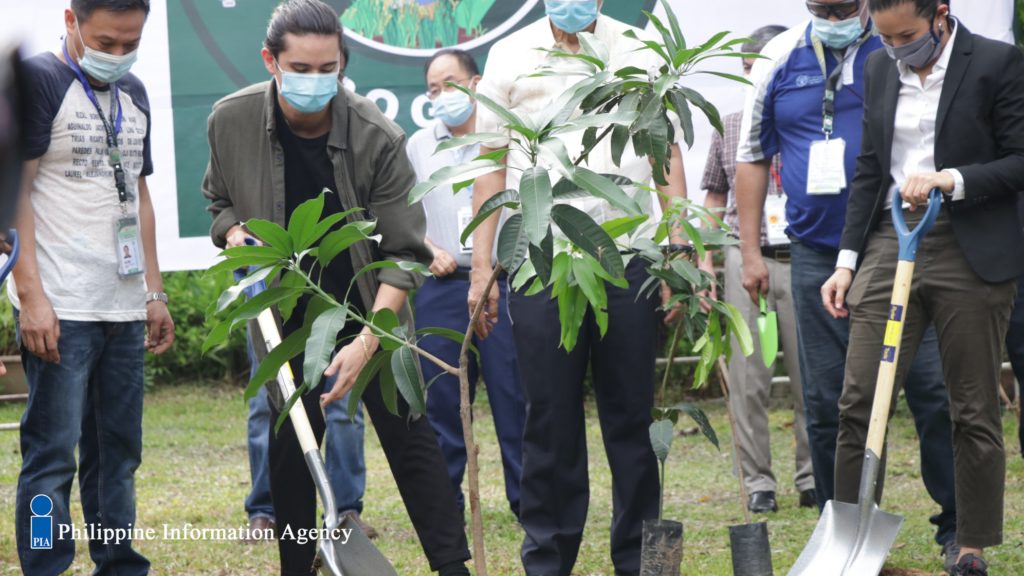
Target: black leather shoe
{"points": [[808, 498], [970, 565], [763, 502]]}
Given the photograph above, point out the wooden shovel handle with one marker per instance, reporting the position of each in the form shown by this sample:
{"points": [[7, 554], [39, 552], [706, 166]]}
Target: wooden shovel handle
{"points": [[890, 356]]}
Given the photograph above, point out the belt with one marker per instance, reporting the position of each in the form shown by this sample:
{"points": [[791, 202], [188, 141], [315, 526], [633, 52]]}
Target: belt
{"points": [[780, 253]]}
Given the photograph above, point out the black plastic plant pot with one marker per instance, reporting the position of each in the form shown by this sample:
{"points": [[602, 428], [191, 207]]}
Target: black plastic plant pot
{"points": [[751, 553], [662, 550]]}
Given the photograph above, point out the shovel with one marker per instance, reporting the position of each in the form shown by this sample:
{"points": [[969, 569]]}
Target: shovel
{"points": [[342, 548], [854, 539], [768, 331]]}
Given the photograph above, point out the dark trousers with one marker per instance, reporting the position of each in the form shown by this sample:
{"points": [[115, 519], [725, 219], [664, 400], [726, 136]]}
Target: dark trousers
{"points": [[970, 317], [441, 303], [1015, 343], [416, 463], [555, 488], [823, 347]]}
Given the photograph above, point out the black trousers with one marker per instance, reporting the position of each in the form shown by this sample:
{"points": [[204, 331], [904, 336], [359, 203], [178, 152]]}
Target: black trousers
{"points": [[416, 463], [555, 487]]}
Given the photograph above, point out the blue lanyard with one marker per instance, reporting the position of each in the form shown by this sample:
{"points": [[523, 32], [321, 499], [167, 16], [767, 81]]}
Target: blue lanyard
{"points": [[112, 126]]}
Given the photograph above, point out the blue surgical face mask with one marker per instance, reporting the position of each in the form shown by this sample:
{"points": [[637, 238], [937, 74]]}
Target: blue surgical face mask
{"points": [[571, 16], [840, 34], [307, 93], [453, 107], [919, 53], [106, 68]]}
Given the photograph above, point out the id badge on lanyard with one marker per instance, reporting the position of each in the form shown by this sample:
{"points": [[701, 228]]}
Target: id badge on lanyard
{"points": [[463, 219], [775, 219], [826, 165], [126, 226]]}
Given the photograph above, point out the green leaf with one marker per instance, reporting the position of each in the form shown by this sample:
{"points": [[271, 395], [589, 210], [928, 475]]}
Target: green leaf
{"points": [[554, 150], [682, 109], [321, 342], [561, 268], [666, 36], [304, 219], [536, 200], [688, 271], [572, 307], [392, 265], [591, 45], [407, 377], [662, 433], [272, 236], [384, 321], [620, 137], [505, 199], [340, 240], [328, 223], [739, 329], [658, 129], [450, 175], [622, 117], [708, 108], [217, 335], [727, 76], [297, 283], [623, 226], [286, 410], [542, 256], [271, 364], [512, 122], [512, 244], [607, 190], [628, 71], [388, 388], [254, 306], [232, 264], [569, 102], [651, 45], [673, 22], [469, 140], [593, 289], [364, 378], [588, 236], [695, 238], [701, 419], [229, 296]]}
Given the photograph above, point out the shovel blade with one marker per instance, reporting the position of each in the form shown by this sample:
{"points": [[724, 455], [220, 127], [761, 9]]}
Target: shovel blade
{"points": [[355, 557], [768, 332], [840, 546]]}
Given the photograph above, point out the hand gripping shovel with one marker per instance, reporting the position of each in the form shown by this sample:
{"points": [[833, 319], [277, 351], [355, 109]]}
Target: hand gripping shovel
{"points": [[343, 549], [768, 332], [854, 539]]}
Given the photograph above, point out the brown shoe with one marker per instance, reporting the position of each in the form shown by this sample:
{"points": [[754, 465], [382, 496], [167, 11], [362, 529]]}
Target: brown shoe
{"points": [[370, 532], [261, 529]]}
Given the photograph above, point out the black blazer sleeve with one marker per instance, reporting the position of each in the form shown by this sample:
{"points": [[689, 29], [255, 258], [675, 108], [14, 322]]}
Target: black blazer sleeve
{"points": [[1003, 175], [870, 177]]}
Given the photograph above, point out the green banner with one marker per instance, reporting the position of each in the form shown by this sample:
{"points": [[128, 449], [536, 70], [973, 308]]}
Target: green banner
{"points": [[215, 50]]}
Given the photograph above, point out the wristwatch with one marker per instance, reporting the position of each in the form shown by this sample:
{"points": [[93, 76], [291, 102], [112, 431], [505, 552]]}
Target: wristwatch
{"points": [[156, 297]]}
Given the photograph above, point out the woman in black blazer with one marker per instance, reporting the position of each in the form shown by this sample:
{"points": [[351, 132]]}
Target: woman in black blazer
{"points": [[944, 109]]}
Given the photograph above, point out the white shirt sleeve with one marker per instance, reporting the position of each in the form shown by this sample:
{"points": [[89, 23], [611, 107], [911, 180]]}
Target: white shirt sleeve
{"points": [[847, 259], [959, 192]]}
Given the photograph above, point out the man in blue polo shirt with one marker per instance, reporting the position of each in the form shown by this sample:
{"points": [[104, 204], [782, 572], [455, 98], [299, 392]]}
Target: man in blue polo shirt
{"points": [[807, 105]]}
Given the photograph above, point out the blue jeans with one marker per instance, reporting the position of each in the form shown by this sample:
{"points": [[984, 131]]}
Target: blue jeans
{"points": [[91, 400], [346, 467], [823, 342], [442, 304]]}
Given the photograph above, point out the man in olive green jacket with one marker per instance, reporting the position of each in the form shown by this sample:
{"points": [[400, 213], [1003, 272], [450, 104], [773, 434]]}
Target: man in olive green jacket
{"points": [[276, 144]]}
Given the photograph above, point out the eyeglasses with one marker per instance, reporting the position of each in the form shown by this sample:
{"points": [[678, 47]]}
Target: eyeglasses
{"points": [[435, 91], [841, 10]]}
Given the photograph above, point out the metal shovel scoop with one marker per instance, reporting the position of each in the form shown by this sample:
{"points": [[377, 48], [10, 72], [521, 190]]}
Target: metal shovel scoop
{"points": [[768, 332], [854, 539], [343, 549]]}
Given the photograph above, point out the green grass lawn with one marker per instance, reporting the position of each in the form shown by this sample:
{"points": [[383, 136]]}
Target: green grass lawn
{"points": [[195, 470]]}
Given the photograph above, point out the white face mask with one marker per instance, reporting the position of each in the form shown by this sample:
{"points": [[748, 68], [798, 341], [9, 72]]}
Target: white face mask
{"points": [[106, 68]]}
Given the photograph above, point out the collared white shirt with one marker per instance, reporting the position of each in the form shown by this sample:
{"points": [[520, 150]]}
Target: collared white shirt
{"points": [[506, 81], [913, 142], [442, 206]]}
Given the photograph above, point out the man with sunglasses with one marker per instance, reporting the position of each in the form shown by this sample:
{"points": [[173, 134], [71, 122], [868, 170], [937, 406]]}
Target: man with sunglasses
{"points": [[807, 105]]}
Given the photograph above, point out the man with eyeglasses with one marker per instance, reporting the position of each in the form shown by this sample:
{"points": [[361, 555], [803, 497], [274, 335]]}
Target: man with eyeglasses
{"points": [[807, 105], [441, 301]]}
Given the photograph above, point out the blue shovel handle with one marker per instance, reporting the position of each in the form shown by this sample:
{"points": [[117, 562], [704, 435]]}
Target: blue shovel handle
{"points": [[241, 273], [910, 240], [12, 238]]}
